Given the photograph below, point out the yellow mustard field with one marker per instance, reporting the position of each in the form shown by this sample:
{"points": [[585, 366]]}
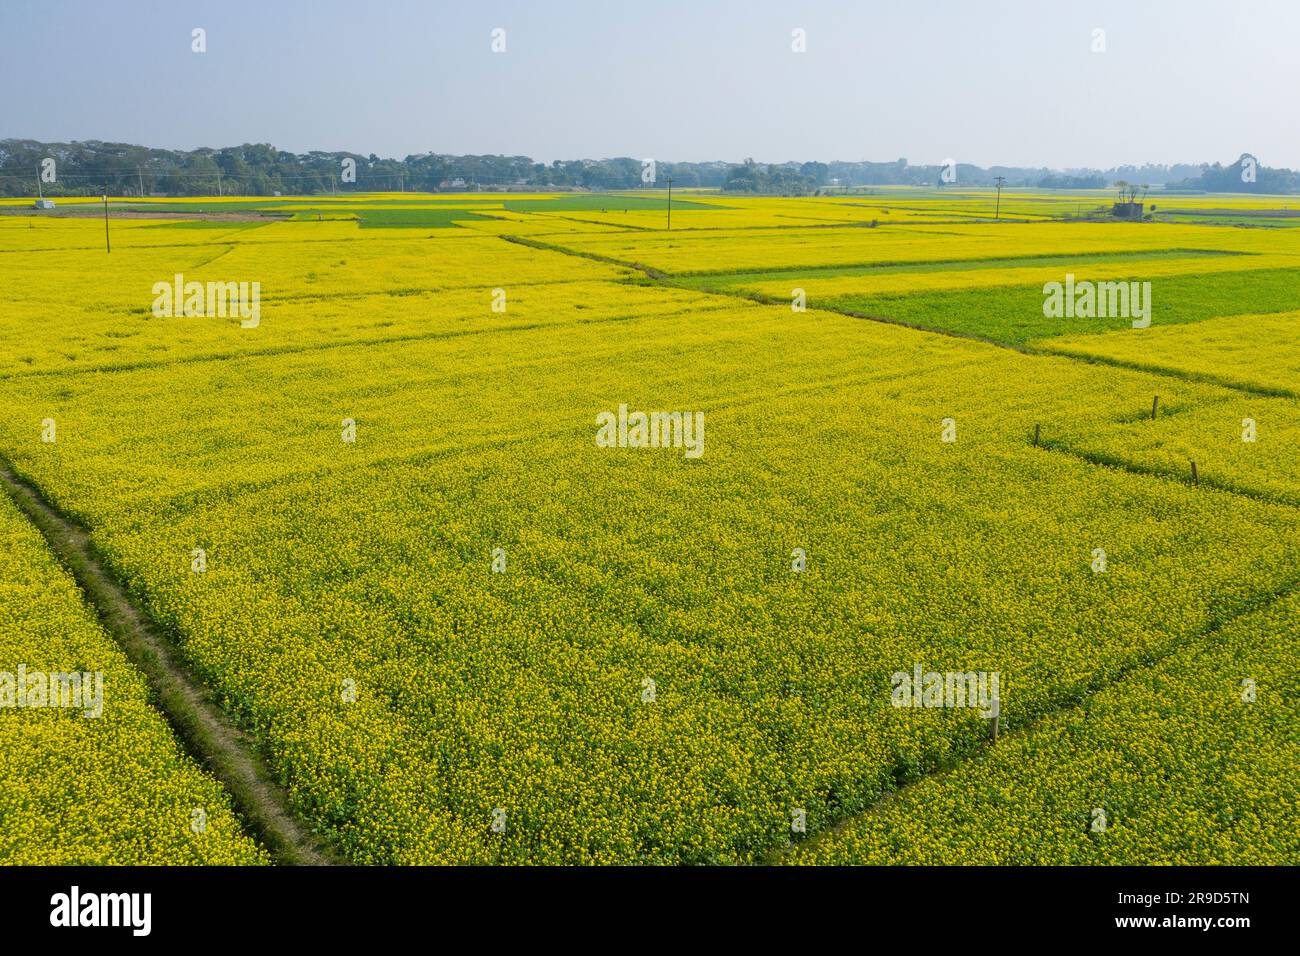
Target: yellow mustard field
{"points": [[354, 466]]}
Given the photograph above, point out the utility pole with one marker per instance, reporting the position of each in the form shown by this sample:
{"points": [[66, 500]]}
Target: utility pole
{"points": [[670, 201], [141, 175], [219, 192], [40, 193], [107, 246], [997, 213]]}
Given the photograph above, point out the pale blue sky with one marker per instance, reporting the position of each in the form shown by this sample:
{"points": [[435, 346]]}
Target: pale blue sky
{"points": [[992, 81]]}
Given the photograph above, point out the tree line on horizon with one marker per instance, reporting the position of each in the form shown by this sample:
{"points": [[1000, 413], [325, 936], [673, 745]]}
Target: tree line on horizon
{"points": [[93, 167]]}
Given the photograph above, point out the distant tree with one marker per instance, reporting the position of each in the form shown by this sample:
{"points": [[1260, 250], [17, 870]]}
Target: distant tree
{"points": [[816, 172], [86, 168]]}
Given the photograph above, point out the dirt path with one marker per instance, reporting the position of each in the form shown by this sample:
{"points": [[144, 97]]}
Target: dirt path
{"points": [[203, 728], [93, 210]]}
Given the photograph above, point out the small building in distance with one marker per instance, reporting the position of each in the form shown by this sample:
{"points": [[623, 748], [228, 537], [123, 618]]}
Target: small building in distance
{"points": [[1128, 210], [45, 204]]}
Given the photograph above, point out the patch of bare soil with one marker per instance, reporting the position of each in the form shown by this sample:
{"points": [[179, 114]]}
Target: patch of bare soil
{"points": [[96, 211]]}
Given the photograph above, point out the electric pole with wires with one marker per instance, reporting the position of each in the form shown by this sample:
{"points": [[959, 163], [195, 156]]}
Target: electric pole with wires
{"points": [[997, 210]]}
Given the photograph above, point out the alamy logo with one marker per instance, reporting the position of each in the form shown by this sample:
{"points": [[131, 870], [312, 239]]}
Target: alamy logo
{"points": [[947, 689], [214, 300], [1249, 168], [36, 689], [653, 430], [1098, 300], [103, 909]]}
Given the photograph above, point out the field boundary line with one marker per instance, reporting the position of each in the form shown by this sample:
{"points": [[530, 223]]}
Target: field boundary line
{"points": [[322, 346], [650, 271], [619, 227], [1201, 378], [202, 727], [1102, 460], [1189, 643], [981, 263]]}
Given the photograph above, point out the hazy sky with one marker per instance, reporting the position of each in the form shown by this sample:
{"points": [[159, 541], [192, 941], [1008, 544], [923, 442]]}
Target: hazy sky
{"points": [[980, 81]]}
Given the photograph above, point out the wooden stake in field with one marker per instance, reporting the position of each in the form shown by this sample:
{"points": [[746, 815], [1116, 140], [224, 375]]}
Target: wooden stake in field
{"points": [[1037, 425], [108, 248], [1155, 403], [1195, 480]]}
